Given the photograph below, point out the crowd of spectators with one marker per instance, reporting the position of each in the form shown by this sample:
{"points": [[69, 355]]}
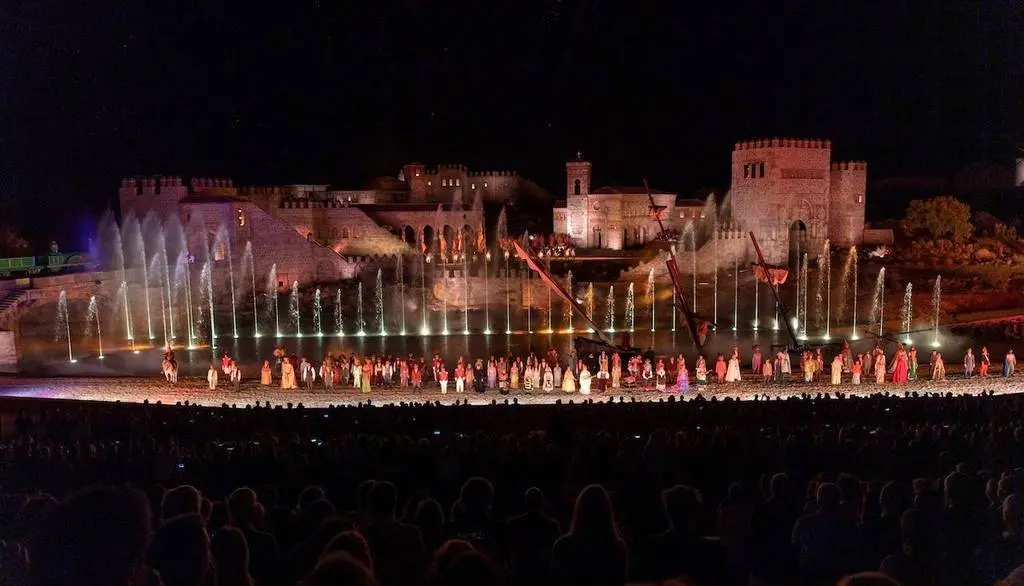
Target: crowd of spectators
{"points": [[920, 490]]}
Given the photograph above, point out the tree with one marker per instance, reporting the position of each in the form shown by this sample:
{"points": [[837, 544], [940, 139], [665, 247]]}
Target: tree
{"points": [[939, 217], [12, 243]]}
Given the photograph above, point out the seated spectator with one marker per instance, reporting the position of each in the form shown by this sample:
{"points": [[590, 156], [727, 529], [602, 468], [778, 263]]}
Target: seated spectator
{"points": [[180, 551], [592, 552], [531, 536], [180, 500], [680, 552], [245, 511], [352, 543], [825, 541], [396, 548], [96, 536], [231, 557], [1000, 556], [340, 569]]}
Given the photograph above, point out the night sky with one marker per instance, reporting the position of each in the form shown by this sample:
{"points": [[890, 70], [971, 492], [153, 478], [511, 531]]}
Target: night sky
{"points": [[320, 91]]}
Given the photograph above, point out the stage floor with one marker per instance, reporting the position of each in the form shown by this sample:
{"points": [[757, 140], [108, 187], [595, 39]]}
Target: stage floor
{"points": [[194, 390]]}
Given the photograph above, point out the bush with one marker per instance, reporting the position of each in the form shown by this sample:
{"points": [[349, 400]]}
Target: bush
{"points": [[938, 217]]}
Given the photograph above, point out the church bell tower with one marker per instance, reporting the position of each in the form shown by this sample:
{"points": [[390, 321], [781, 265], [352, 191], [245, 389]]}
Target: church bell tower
{"points": [[577, 189]]}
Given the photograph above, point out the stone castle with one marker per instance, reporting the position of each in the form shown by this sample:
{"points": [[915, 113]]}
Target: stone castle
{"points": [[789, 192]]}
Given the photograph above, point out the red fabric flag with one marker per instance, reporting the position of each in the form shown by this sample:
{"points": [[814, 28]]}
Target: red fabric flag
{"points": [[771, 275]]}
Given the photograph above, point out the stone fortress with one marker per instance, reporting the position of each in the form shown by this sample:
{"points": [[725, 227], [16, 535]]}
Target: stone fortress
{"points": [[789, 192]]}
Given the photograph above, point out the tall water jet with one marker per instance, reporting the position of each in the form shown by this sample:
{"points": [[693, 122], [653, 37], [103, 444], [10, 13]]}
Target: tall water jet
{"points": [[424, 328], [224, 244], [184, 281], [293, 309], [609, 316], [551, 315], [487, 293], [501, 235], [156, 269], [630, 309], [93, 320], [735, 292], [465, 282], [378, 303], [162, 251], [757, 290], [936, 304], [825, 274], [400, 277], [568, 306], [907, 312], [136, 244], [878, 302], [803, 324], [64, 323], [649, 296], [715, 257], [589, 300], [339, 325], [247, 254], [272, 296], [122, 292], [206, 285], [693, 265], [360, 324], [317, 309], [848, 294]]}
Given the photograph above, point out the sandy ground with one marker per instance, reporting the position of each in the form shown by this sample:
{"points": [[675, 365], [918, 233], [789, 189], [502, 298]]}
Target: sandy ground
{"points": [[137, 390]]}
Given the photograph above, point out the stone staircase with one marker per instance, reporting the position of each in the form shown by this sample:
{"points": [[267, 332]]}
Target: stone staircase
{"points": [[9, 305]]}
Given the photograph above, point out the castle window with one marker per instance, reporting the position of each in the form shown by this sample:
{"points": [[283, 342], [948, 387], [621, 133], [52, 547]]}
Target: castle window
{"points": [[417, 173], [485, 185], [761, 169], [458, 182], [746, 171], [344, 232], [241, 218], [860, 199], [430, 183], [576, 187], [444, 183], [472, 186]]}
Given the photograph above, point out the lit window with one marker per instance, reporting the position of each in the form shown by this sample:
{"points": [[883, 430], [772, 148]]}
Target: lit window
{"points": [[485, 185], [430, 183], [444, 183], [458, 182], [241, 218], [417, 173], [860, 199], [472, 185]]}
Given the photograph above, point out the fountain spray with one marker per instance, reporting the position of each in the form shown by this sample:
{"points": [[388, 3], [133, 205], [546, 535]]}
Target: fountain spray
{"points": [[317, 308], [400, 277], [803, 324], [568, 306], [252, 274], [715, 249], [379, 304], [293, 309], [936, 304], [360, 324], [735, 292], [907, 312], [338, 325], [231, 276], [878, 302], [91, 319], [64, 322], [649, 294], [590, 301], [630, 309], [610, 312], [828, 289], [206, 282]]}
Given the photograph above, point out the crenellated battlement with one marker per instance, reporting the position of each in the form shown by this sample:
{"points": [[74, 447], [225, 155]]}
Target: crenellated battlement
{"points": [[463, 169], [850, 166], [141, 182], [796, 143], [203, 183]]}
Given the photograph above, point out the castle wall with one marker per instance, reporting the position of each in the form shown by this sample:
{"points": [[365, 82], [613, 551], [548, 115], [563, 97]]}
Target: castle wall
{"points": [[346, 230], [141, 195]]}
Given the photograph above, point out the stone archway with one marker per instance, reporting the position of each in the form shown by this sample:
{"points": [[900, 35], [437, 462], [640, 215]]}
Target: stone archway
{"points": [[428, 236], [409, 235], [798, 242]]}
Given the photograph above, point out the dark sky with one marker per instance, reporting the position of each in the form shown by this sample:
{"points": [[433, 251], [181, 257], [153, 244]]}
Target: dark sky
{"points": [[322, 91]]}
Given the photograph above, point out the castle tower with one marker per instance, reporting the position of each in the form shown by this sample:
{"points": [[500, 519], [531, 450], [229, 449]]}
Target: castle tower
{"points": [[416, 177], [780, 191], [577, 176], [846, 203], [577, 191]]}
